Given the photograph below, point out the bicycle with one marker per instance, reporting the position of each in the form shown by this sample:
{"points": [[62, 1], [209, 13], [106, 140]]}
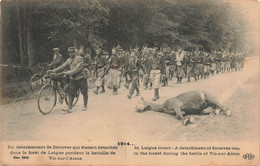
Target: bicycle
{"points": [[38, 79], [47, 97]]}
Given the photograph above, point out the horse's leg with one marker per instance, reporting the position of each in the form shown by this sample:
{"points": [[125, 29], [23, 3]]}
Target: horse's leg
{"points": [[209, 110], [213, 102]]}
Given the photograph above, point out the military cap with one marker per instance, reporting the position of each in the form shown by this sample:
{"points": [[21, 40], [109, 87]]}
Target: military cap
{"points": [[71, 49], [56, 49]]}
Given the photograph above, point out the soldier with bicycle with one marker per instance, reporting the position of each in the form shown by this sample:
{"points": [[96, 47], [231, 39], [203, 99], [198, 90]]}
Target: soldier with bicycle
{"points": [[77, 81], [57, 59]]}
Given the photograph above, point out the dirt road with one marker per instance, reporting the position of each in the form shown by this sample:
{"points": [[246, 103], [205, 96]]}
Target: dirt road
{"points": [[113, 118]]}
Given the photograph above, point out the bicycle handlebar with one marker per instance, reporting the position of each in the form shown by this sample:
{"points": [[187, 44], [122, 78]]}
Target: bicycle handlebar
{"points": [[56, 76]]}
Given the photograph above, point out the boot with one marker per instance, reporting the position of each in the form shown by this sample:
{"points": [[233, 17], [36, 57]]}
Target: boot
{"points": [[188, 79], [131, 92], [103, 89], [71, 98], [156, 94], [151, 85], [85, 99], [127, 82], [96, 91], [114, 91], [137, 92]]}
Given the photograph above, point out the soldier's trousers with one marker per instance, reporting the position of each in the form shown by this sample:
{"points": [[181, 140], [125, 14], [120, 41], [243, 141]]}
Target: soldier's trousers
{"points": [[114, 79], [134, 85], [180, 72], [146, 80], [75, 85], [155, 76], [100, 79]]}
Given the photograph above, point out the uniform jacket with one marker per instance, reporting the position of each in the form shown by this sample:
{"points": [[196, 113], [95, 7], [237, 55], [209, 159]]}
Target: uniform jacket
{"points": [[57, 60], [133, 65], [75, 65]]}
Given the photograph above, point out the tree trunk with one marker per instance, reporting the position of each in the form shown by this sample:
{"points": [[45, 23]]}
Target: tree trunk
{"points": [[30, 42], [24, 32], [20, 34]]}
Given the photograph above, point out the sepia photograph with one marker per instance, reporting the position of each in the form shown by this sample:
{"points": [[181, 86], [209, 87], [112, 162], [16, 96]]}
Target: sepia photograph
{"points": [[141, 77]]}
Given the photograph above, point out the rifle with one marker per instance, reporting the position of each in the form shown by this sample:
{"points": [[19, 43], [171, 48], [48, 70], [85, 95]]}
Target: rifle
{"points": [[140, 53]]}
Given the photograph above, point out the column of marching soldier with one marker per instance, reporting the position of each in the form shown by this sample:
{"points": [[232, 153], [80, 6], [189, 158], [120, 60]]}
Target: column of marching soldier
{"points": [[150, 65]]}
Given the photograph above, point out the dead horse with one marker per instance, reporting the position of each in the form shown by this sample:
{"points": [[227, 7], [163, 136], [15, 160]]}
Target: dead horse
{"points": [[194, 102]]}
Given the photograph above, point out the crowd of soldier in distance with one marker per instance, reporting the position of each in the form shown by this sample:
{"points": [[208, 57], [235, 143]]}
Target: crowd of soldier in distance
{"points": [[177, 64]]}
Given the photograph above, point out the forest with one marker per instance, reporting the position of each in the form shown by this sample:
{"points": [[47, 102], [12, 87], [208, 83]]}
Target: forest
{"points": [[31, 28]]}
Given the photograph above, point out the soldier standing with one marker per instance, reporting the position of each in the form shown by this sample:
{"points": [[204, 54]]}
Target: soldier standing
{"points": [[224, 62], [213, 63], [114, 70], [157, 66], [179, 66], [148, 57], [87, 61], [197, 65], [190, 66], [228, 60], [172, 64], [206, 63], [233, 62], [200, 63], [99, 71], [57, 59], [77, 80], [218, 62], [133, 67], [168, 62]]}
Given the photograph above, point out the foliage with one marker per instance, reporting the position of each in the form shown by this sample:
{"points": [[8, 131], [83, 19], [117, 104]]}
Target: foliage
{"points": [[207, 25]]}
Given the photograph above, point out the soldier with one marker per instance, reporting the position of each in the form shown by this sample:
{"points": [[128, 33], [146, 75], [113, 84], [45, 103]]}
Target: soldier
{"points": [[213, 64], [77, 80], [133, 67], [197, 65], [237, 62], [57, 59], [179, 67], [228, 61], [218, 62], [172, 64], [147, 65], [190, 66], [224, 63], [157, 67], [233, 62], [242, 61], [168, 62], [201, 66], [99, 71], [184, 63], [115, 68], [87, 61], [206, 63], [125, 72]]}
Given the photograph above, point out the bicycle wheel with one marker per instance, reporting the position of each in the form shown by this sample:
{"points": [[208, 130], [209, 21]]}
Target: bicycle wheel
{"points": [[76, 98], [46, 99], [36, 82]]}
